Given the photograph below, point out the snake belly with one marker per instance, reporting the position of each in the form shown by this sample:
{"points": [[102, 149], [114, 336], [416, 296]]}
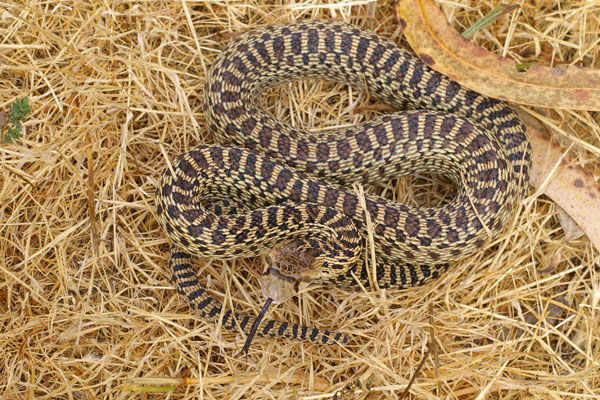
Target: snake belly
{"points": [[281, 174]]}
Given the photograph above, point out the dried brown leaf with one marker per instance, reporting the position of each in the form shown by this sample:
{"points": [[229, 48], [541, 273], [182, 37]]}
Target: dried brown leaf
{"points": [[570, 227], [556, 174], [440, 46]]}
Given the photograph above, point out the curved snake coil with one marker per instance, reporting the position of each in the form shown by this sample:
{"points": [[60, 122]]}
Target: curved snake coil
{"points": [[292, 184]]}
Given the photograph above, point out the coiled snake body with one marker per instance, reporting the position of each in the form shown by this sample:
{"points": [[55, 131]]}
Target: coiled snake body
{"points": [[293, 185]]}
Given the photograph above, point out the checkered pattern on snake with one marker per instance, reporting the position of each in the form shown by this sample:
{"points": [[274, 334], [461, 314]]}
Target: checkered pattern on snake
{"points": [[268, 182]]}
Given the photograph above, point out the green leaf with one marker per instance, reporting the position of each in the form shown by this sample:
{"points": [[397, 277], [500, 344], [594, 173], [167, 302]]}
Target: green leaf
{"points": [[19, 109], [8, 138]]}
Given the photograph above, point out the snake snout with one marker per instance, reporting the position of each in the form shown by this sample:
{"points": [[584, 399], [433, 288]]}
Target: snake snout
{"points": [[288, 264]]}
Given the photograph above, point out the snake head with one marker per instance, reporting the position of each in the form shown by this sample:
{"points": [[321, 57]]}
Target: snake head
{"points": [[289, 264]]}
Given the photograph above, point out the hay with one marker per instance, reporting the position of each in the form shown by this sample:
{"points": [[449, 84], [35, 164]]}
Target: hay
{"points": [[86, 302]]}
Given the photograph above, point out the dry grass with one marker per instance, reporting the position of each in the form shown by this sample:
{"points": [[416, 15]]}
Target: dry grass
{"points": [[85, 298]]}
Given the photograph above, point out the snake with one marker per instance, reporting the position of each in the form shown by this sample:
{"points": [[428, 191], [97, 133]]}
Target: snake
{"points": [[267, 189]]}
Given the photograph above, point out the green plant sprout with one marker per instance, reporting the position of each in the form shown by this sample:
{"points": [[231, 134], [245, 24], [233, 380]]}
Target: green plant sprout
{"points": [[19, 109]]}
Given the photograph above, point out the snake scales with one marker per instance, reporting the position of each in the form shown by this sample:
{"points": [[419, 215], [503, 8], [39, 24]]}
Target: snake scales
{"points": [[271, 188]]}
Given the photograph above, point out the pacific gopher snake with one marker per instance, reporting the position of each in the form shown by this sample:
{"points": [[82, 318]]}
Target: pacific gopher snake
{"points": [[292, 184]]}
